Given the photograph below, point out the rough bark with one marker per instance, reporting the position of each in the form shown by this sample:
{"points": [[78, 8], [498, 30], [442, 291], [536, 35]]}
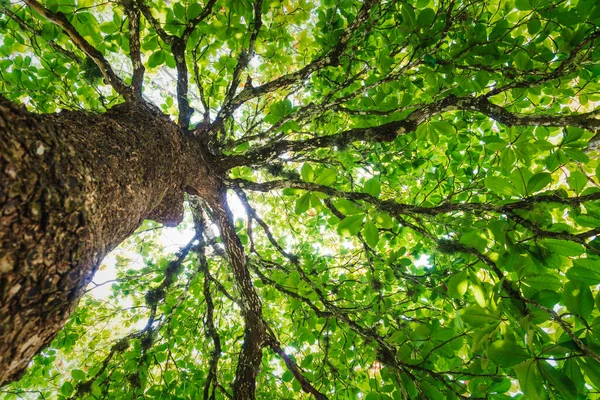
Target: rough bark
{"points": [[250, 357], [73, 185]]}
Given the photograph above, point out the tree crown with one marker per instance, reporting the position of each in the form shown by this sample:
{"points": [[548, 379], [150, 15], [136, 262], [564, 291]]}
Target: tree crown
{"points": [[418, 190]]}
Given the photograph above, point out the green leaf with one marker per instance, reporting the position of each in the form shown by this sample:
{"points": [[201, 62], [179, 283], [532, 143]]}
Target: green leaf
{"points": [[591, 369], [522, 60], [432, 392], [422, 131], [559, 381], [429, 60], [547, 298], [408, 14], [577, 180], [578, 298], [505, 353], [371, 234], [572, 134], [523, 5], [507, 159], [529, 379], [577, 155], [302, 204], [572, 370], [326, 177], [542, 281], [372, 187], [458, 285], [585, 270], [426, 17], [157, 58], [347, 207], [287, 376], [67, 389], [351, 225], [307, 172], [281, 109], [533, 26], [108, 27], [179, 11], [78, 375], [478, 317], [383, 220], [500, 186], [443, 127], [564, 247], [538, 181]]}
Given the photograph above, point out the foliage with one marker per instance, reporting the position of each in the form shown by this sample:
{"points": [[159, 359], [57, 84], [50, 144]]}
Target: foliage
{"points": [[418, 183]]}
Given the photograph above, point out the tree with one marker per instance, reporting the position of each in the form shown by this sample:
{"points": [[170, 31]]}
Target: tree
{"points": [[419, 189]]}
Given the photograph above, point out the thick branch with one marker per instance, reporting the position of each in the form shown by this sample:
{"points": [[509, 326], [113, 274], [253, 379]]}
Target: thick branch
{"points": [[55, 46], [402, 208], [178, 46], [389, 131], [185, 111], [329, 59], [254, 330], [133, 14], [109, 75], [211, 330]]}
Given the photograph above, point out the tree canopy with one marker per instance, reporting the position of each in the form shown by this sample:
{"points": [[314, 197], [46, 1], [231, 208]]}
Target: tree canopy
{"points": [[418, 190]]}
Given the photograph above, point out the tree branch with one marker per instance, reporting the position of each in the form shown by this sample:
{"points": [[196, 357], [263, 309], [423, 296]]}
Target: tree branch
{"points": [[178, 46], [55, 46], [133, 14], [329, 59], [389, 131], [294, 369], [250, 303], [109, 75], [556, 73], [244, 57], [206, 11]]}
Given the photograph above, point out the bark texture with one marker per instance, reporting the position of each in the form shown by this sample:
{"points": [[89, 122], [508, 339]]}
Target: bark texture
{"points": [[73, 185], [250, 357]]}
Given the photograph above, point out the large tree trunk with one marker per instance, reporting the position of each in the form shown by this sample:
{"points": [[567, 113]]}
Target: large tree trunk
{"points": [[73, 185]]}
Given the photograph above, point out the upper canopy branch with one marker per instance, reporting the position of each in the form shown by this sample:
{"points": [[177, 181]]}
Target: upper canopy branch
{"points": [[330, 58], [244, 57], [52, 43], [563, 68], [189, 29], [133, 14], [389, 131], [401, 208], [178, 45], [294, 368], [61, 20]]}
